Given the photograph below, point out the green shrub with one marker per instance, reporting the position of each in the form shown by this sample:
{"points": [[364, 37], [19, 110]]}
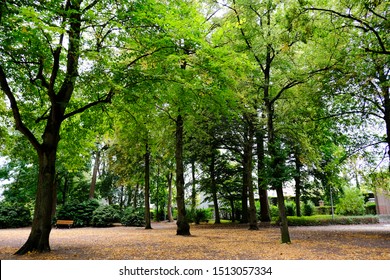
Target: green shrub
{"points": [[14, 215], [105, 216], [290, 208], [308, 208], [202, 215], [274, 211], [352, 204], [322, 220], [80, 213], [133, 217]]}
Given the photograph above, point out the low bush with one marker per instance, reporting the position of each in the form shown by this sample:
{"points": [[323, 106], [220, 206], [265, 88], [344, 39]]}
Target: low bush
{"points": [[321, 220], [274, 211], [324, 210], [308, 208], [80, 212], [133, 217], [105, 216], [202, 215], [351, 204], [290, 208], [13, 215], [199, 215]]}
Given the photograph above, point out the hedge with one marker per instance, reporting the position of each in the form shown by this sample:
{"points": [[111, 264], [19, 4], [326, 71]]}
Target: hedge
{"points": [[323, 220]]}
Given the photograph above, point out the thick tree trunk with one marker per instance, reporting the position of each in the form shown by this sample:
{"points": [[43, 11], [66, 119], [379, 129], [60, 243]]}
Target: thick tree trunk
{"points": [[282, 214], [94, 175], [38, 241], [233, 210], [169, 209], [183, 227], [147, 188], [214, 190], [265, 215]]}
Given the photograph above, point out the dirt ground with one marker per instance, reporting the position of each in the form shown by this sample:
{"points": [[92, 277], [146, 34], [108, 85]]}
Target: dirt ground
{"points": [[207, 242]]}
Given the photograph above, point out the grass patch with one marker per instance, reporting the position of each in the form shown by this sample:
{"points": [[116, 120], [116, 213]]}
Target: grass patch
{"points": [[323, 220]]}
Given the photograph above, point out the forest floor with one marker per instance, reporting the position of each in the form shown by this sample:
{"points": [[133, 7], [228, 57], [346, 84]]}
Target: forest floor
{"points": [[207, 242]]}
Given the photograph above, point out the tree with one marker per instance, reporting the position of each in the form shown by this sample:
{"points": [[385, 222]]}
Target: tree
{"points": [[44, 55]]}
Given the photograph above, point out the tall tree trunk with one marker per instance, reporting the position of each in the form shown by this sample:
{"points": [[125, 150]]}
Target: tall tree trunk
{"points": [[214, 189], [275, 161], [157, 218], [233, 210], [247, 172], [147, 188], [94, 175], [265, 215], [183, 227], [169, 209], [298, 186], [282, 214], [38, 239]]}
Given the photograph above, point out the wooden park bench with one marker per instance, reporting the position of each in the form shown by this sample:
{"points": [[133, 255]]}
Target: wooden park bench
{"points": [[61, 223]]}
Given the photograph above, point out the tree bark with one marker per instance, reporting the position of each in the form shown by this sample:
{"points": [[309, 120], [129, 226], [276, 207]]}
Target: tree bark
{"points": [[214, 189], [94, 175], [233, 210], [38, 239], [285, 235], [183, 227]]}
